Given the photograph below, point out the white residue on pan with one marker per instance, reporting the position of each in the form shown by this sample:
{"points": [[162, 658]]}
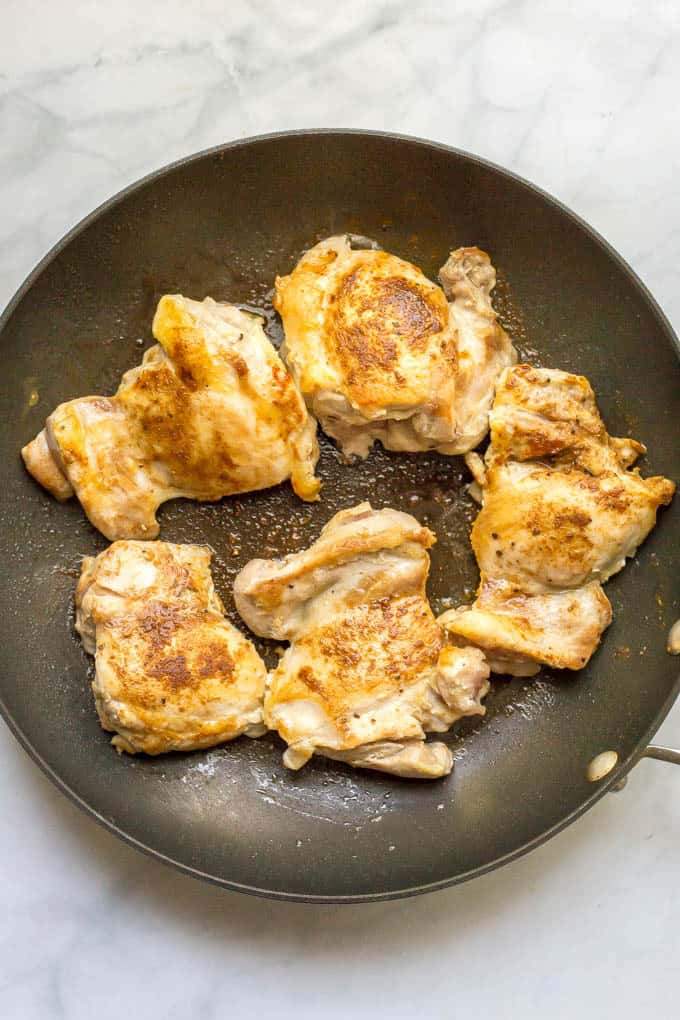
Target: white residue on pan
{"points": [[537, 696], [338, 798], [201, 768], [321, 791], [335, 797]]}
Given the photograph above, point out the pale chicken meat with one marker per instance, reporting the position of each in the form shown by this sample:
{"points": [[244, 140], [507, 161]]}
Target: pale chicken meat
{"points": [[562, 509], [380, 352], [171, 673], [210, 412], [483, 347], [367, 673], [518, 632]]}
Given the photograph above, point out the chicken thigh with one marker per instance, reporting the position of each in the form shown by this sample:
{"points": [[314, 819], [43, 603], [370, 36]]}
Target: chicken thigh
{"points": [[380, 353], [367, 673], [561, 513], [171, 673], [210, 412]]}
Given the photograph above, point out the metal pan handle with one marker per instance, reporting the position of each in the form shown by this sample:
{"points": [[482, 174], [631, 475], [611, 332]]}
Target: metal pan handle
{"points": [[651, 751], [662, 754]]}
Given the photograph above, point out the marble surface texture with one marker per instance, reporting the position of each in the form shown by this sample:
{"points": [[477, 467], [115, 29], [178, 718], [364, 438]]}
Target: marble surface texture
{"points": [[581, 98]]}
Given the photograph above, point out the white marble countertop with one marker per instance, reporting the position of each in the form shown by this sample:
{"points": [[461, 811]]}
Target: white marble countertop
{"points": [[581, 98]]}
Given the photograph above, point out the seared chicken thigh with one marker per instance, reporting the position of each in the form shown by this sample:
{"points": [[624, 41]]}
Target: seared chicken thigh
{"points": [[380, 353], [210, 412], [367, 673], [561, 513], [171, 673]]}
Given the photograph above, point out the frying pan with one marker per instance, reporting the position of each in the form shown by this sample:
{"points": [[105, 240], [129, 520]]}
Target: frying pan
{"points": [[224, 223]]}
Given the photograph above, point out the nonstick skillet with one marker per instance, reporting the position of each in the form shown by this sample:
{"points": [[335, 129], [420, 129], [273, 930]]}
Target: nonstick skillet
{"points": [[224, 223]]}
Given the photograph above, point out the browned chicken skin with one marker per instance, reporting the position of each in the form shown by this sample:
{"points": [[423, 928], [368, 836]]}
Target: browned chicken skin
{"points": [[172, 674], [381, 352], [210, 412], [561, 513]]}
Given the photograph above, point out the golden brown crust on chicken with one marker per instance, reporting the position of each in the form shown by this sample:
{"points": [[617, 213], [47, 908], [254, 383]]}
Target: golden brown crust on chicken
{"points": [[560, 505], [367, 673], [375, 347], [336, 673], [541, 413], [210, 412], [171, 672], [379, 314], [543, 528], [561, 513]]}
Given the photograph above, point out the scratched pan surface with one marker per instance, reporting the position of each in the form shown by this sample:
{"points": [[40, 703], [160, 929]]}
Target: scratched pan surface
{"points": [[224, 223]]}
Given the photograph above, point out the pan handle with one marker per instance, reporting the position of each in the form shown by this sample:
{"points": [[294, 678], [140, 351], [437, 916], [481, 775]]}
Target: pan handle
{"points": [[651, 751], [662, 754]]}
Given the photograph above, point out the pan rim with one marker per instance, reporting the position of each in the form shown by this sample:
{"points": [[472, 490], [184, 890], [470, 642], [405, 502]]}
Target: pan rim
{"points": [[603, 787]]}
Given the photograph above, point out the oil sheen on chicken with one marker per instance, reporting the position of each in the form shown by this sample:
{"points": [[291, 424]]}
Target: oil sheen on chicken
{"points": [[562, 510], [381, 352], [171, 673], [367, 673], [210, 412]]}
